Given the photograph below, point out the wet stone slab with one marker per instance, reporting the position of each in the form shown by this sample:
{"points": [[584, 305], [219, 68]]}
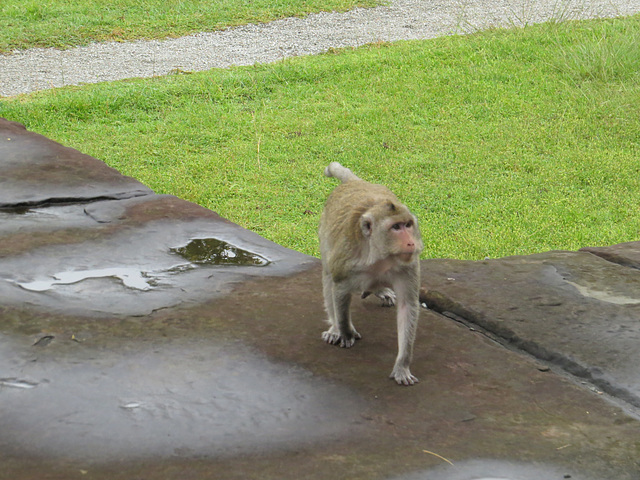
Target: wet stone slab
{"points": [[92, 403], [37, 171], [131, 257], [576, 310], [239, 387]]}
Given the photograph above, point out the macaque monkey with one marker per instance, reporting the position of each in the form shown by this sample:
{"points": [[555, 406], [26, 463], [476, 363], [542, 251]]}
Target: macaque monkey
{"points": [[369, 242]]}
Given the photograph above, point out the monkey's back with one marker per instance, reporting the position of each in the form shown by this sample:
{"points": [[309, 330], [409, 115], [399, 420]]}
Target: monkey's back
{"points": [[340, 235], [350, 200]]}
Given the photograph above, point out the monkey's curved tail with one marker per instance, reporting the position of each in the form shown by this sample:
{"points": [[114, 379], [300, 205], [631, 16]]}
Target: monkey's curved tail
{"points": [[341, 173]]}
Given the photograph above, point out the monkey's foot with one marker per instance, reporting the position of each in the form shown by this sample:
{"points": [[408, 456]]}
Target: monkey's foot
{"points": [[335, 338], [403, 376], [387, 296]]}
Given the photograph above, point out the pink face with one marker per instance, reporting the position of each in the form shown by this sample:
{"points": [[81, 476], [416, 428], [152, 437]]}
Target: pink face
{"points": [[403, 236]]}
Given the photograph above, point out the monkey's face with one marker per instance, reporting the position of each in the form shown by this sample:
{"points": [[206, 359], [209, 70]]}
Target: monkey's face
{"points": [[403, 238], [393, 233]]}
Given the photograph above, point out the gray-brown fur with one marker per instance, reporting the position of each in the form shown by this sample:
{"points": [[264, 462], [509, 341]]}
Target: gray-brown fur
{"points": [[369, 242]]}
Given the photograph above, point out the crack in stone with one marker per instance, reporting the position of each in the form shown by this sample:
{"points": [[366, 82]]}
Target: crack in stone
{"points": [[611, 257], [506, 337], [23, 207]]}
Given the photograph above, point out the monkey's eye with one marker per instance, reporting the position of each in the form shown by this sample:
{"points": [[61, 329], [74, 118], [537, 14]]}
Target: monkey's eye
{"points": [[410, 224], [396, 226]]}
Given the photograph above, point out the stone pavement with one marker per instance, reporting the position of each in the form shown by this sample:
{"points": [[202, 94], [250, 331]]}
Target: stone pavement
{"points": [[142, 336]]}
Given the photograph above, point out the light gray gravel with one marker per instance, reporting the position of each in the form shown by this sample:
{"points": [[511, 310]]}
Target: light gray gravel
{"points": [[39, 69]]}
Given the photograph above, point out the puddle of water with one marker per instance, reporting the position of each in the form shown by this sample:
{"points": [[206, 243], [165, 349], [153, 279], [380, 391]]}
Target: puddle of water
{"points": [[211, 251]]}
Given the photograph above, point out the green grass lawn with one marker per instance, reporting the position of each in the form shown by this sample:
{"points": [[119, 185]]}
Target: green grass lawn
{"points": [[502, 142], [64, 23]]}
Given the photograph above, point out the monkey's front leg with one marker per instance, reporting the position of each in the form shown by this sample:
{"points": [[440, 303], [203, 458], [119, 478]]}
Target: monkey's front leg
{"points": [[408, 311], [342, 331]]}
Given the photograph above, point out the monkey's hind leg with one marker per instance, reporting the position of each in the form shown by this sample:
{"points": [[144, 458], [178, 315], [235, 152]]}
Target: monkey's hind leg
{"points": [[331, 336]]}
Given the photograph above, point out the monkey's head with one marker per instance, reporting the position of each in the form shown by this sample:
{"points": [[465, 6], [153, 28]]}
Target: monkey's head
{"points": [[392, 230]]}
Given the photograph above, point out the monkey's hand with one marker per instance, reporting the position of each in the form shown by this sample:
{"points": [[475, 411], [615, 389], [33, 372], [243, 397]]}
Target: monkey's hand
{"points": [[335, 338], [403, 376]]}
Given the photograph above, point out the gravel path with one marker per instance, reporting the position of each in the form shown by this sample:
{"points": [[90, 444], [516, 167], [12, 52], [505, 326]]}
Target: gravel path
{"points": [[39, 69]]}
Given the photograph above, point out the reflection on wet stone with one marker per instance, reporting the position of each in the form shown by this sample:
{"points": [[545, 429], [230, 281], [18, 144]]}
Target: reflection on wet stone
{"points": [[14, 382], [140, 400], [200, 251], [130, 277], [211, 251], [489, 469]]}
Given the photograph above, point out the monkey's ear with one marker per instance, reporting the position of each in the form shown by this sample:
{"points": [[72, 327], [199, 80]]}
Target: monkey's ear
{"points": [[366, 224]]}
